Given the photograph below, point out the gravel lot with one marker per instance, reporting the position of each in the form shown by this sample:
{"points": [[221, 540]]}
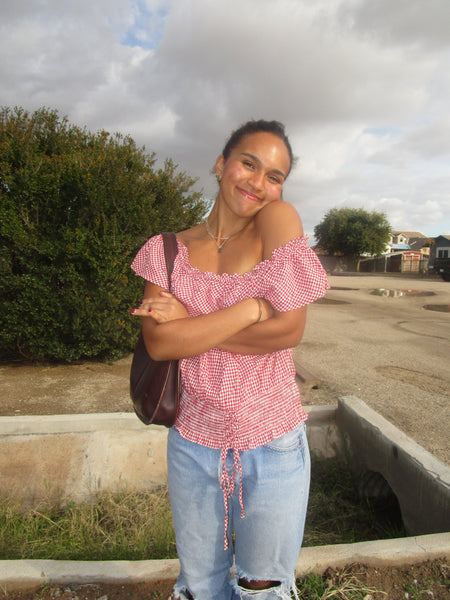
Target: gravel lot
{"points": [[391, 352]]}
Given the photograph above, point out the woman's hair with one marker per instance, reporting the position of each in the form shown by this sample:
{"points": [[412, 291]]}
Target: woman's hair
{"points": [[273, 127]]}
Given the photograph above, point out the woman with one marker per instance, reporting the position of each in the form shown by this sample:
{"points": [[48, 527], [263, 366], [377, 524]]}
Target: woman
{"points": [[238, 458]]}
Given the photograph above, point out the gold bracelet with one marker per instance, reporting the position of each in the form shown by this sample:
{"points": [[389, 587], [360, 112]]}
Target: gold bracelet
{"points": [[258, 300]]}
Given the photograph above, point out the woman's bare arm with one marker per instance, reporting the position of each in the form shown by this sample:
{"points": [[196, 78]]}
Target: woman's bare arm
{"points": [[183, 336], [281, 331]]}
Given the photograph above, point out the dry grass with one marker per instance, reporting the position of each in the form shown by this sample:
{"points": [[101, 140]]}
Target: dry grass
{"points": [[138, 525], [114, 526]]}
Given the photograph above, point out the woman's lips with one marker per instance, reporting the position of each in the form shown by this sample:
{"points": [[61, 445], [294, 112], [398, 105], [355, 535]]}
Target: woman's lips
{"points": [[248, 195]]}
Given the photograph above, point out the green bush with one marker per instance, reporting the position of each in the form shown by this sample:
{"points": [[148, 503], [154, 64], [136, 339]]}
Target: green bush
{"points": [[75, 207]]}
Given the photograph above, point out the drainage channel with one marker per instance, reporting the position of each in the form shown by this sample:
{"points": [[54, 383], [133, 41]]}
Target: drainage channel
{"points": [[420, 482]]}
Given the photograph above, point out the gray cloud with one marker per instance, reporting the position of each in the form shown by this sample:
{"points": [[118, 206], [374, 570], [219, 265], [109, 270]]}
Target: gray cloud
{"points": [[419, 24], [362, 86]]}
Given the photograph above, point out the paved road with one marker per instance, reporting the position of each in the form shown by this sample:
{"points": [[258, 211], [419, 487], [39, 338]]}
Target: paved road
{"points": [[389, 351]]}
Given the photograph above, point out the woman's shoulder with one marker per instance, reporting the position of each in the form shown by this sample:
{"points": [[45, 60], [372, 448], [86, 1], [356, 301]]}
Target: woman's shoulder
{"points": [[278, 223], [187, 236]]}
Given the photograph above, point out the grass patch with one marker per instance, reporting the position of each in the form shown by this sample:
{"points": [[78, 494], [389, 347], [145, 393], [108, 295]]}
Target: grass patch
{"points": [[343, 587], [115, 526], [138, 526]]}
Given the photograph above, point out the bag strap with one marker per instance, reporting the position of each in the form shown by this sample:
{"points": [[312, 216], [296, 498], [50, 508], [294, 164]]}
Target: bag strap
{"points": [[170, 252]]}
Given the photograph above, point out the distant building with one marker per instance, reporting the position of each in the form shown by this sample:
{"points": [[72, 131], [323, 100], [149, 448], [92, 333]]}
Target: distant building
{"points": [[420, 244], [400, 241], [402, 237], [439, 248], [398, 247]]}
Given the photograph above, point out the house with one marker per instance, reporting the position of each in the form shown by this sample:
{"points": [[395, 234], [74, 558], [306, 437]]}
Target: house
{"points": [[439, 248], [403, 237], [420, 244], [400, 247], [408, 240]]}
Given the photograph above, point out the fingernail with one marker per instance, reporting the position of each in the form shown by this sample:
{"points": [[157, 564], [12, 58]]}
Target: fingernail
{"points": [[149, 310], [132, 311]]}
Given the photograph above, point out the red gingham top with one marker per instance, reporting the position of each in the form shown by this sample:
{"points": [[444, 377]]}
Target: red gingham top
{"points": [[235, 401]]}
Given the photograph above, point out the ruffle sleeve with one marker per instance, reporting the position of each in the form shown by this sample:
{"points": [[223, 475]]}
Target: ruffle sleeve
{"points": [[293, 277], [150, 263]]}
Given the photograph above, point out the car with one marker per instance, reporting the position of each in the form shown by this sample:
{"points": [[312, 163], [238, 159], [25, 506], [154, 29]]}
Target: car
{"points": [[441, 266]]}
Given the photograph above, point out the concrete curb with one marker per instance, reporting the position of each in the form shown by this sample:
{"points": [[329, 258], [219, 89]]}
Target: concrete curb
{"points": [[27, 574], [394, 552]]}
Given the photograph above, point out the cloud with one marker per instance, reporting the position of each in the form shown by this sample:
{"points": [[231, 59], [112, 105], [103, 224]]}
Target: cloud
{"points": [[403, 22], [362, 86]]}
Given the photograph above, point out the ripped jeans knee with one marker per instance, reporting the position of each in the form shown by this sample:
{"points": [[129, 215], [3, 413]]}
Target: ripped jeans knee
{"points": [[273, 590], [283, 590]]}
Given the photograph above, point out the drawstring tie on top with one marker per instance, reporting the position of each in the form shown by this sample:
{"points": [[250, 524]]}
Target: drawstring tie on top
{"points": [[228, 480], [227, 485]]}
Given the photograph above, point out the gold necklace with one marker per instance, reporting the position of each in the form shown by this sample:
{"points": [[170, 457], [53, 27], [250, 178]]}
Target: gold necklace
{"points": [[224, 239]]}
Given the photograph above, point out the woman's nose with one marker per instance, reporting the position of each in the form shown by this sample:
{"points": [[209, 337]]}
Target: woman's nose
{"points": [[256, 179]]}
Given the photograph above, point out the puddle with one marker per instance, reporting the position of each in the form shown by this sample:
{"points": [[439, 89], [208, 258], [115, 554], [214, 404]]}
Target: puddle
{"points": [[399, 293], [438, 307]]}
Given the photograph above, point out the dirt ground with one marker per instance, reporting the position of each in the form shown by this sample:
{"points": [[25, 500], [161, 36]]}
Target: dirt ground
{"points": [[426, 580], [387, 348]]}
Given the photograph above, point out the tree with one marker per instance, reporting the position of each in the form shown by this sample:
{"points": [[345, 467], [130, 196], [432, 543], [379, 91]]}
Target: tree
{"points": [[75, 207], [353, 232]]}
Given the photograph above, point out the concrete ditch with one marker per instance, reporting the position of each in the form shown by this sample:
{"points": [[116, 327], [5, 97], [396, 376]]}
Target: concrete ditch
{"points": [[79, 455]]}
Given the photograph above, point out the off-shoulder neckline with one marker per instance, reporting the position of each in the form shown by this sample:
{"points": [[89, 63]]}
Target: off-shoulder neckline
{"points": [[302, 240]]}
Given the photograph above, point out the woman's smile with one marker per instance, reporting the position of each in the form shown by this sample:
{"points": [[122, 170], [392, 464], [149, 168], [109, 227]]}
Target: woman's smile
{"points": [[248, 195]]}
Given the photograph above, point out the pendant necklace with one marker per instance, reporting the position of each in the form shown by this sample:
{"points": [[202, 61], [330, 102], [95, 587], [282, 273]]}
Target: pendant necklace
{"points": [[213, 237], [224, 240]]}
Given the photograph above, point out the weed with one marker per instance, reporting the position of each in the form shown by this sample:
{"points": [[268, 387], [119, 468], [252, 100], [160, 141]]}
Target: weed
{"points": [[346, 587]]}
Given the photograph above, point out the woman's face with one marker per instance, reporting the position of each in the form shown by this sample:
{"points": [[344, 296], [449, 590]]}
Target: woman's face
{"points": [[254, 173]]}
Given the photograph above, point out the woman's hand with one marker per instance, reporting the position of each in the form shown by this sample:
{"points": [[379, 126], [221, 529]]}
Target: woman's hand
{"points": [[162, 308]]}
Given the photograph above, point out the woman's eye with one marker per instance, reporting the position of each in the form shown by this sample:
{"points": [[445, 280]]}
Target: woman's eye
{"points": [[274, 179], [249, 164]]}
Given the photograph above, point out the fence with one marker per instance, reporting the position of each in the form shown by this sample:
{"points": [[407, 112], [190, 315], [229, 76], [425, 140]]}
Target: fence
{"points": [[395, 263]]}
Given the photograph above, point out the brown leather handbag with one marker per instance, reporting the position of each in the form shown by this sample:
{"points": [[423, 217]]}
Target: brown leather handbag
{"points": [[155, 385]]}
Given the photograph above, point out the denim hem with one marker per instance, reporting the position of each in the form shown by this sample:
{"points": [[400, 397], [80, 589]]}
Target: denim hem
{"points": [[179, 593]]}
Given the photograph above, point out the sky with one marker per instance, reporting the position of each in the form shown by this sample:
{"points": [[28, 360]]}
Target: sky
{"points": [[362, 86]]}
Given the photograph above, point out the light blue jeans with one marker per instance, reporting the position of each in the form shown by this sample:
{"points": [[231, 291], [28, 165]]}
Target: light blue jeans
{"points": [[275, 480]]}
